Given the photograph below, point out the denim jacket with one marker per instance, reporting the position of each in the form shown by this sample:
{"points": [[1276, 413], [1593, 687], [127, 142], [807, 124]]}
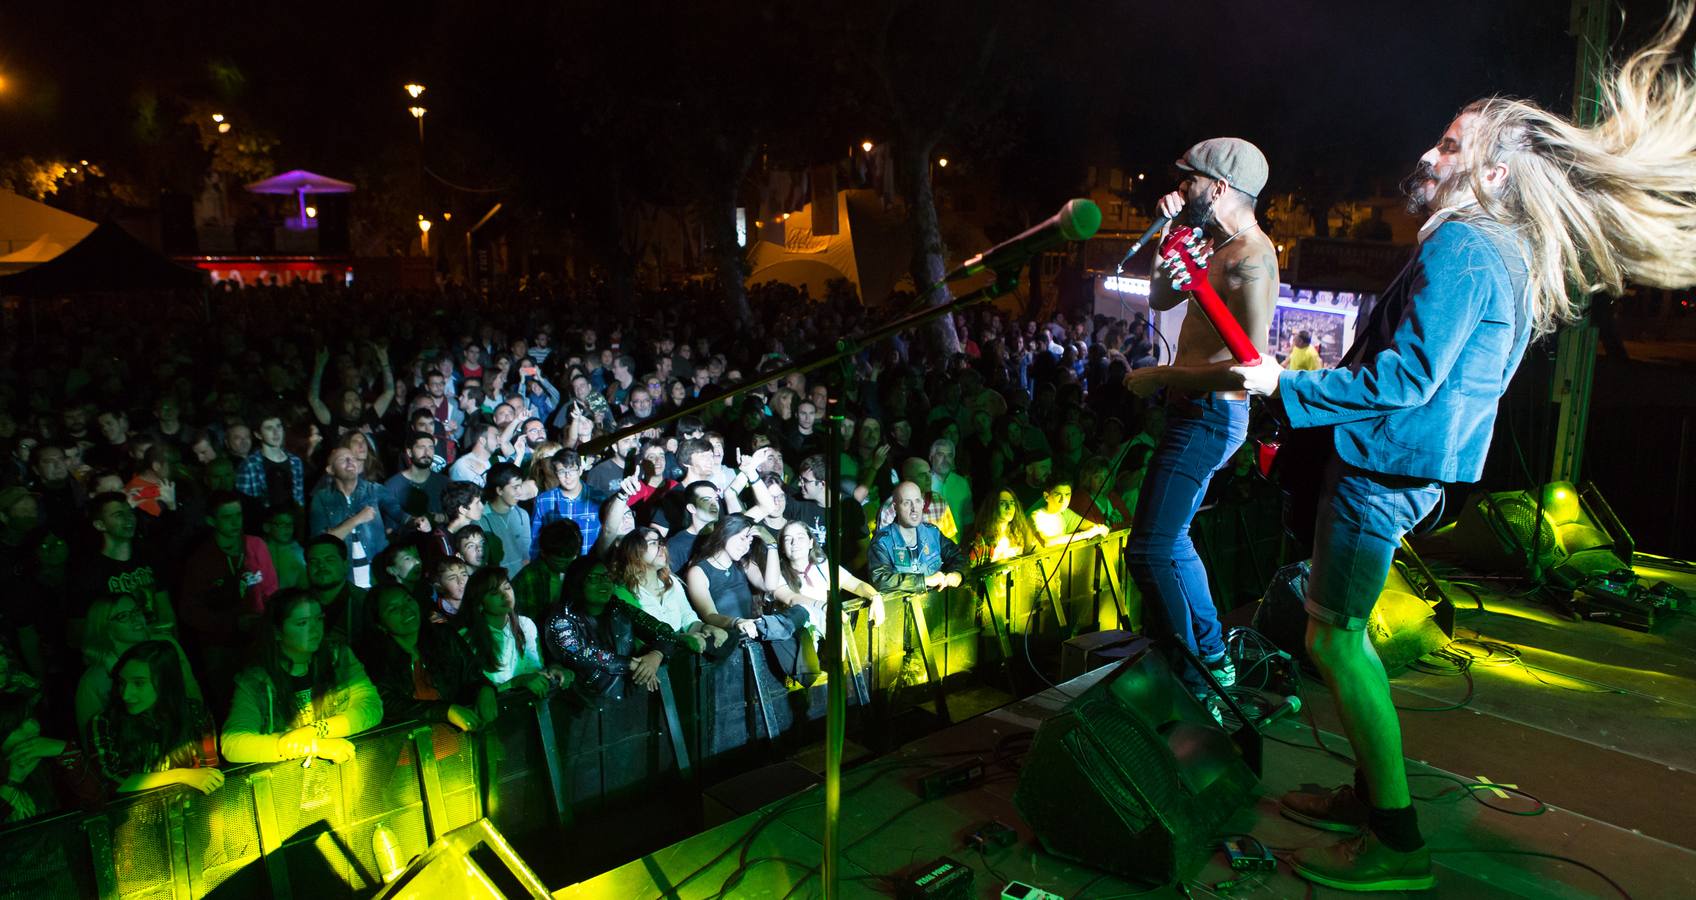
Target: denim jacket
{"points": [[896, 568], [1416, 395]]}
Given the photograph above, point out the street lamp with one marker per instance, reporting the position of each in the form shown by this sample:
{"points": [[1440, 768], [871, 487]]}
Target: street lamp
{"points": [[424, 233], [943, 162], [418, 113], [312, 212], [223, 128], [414, 89], [867, 146]]}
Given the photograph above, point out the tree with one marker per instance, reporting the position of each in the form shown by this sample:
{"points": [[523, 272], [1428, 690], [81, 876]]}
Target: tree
{"points": [[937, 64]]}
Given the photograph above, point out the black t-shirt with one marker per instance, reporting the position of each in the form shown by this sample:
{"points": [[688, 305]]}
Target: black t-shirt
{"points": [[418, 499], [605, 475], [678, 547], [99, 575], [279, 482], [809, 514]]}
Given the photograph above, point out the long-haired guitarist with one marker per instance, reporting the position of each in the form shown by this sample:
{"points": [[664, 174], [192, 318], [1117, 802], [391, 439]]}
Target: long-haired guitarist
{"points": [[1527, 213], [1206, 407]]}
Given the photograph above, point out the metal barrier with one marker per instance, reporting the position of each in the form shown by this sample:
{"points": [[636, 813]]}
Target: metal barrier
{"points": [[293, 830]]}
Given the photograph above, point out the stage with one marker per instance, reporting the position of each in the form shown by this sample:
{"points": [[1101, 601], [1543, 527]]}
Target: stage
{"points": [[1594, 721]]}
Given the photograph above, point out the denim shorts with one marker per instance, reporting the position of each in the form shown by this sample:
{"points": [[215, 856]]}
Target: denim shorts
{"points": [[1362, 518]]}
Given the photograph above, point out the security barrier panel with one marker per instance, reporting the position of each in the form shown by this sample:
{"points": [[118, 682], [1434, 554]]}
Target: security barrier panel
{"points": [[322, 830]]}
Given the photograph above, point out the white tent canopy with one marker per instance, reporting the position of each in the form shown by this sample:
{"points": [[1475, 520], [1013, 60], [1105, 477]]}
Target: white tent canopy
{"points": [[32, 232], [869, 252]]}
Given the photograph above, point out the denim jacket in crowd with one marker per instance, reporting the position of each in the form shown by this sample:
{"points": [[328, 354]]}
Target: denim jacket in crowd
{"points": [[895, 568]]}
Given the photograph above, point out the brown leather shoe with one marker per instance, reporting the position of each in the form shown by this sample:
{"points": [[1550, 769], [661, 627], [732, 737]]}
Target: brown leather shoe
{"points": [[1363, 863], [1338, 809]]}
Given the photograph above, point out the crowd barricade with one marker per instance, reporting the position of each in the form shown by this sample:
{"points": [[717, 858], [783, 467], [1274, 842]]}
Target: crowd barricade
{"points": [[1044, 598], [292, 830]]}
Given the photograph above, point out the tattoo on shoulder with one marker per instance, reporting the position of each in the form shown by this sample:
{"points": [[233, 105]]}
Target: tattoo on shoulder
{"points": [[1251, 269]]}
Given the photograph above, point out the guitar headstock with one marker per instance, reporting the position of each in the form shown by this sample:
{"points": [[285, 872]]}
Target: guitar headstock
{"points": [[1189, 246], [1187, 251]]}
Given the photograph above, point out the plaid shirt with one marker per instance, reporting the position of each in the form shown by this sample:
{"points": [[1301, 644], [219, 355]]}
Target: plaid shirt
{"points": [[250, 478], [551, 506]]}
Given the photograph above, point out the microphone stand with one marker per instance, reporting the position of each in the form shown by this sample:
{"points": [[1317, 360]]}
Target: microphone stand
{"points": [[1006, 278]]}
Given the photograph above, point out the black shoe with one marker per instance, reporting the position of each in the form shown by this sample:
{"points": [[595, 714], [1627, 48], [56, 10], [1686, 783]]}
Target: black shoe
{"points": [[1338, 809], [1363, 863]]}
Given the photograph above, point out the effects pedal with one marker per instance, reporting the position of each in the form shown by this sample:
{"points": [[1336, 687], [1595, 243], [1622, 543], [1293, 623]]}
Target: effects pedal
{"points": [[992, 836], [957, 777], [1249, 856]]}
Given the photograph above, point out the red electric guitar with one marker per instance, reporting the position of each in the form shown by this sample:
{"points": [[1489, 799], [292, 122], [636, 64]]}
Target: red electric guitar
{"points": [[1181, 245]]}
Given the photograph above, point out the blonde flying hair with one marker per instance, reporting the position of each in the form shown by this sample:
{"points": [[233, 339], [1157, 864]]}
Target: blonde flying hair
{"points": [[1597, 206]]}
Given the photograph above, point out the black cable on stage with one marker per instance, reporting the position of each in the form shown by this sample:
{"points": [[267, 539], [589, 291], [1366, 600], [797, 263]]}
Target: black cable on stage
{"points": [[984, 858], [897, 816], [1539, 855], [997, 756]]}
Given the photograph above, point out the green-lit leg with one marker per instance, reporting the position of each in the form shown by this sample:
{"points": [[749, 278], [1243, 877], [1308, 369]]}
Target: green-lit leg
{"points": [[1362, 693]]}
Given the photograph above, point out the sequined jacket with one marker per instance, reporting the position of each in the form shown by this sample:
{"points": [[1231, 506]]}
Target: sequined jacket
{"points": [[599, 649]]}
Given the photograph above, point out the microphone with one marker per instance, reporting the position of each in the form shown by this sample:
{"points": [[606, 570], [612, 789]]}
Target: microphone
{"points": [[1147, 236], [1291, 704], [1076, 221]]}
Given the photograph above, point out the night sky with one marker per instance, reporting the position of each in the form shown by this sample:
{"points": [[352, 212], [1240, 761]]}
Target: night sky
{"points": [[547, 96]]}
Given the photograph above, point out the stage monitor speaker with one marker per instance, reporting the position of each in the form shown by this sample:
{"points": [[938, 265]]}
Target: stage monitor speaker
{"points": [[446, 869], [1134, 777], [1577, 538]]}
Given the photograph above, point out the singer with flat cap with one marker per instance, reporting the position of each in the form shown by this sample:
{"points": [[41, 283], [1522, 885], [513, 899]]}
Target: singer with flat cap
{"points": [[1206, 408]]}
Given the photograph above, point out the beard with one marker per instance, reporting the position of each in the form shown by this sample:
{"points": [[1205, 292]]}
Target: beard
{"points": [[1198, 213], [426, 463], [1420, 187]]}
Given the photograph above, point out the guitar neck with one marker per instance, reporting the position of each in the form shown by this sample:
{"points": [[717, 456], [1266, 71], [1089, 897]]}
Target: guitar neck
{"points": [[1218, 314]]}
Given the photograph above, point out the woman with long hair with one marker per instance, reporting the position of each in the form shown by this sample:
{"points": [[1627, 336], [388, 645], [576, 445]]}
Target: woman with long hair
{"points": [[423, 670], [721, 584], [796, 571], [152, 733], [304, 697], [715, 580], [604, 641], [641, 571], [1001, 530], [116, 623], [502, 641]]}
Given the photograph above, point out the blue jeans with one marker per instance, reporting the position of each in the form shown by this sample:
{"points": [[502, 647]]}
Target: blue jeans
{"points": [[1161, 556]]}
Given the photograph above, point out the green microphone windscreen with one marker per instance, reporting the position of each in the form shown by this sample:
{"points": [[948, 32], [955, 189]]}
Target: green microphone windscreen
{"points": [[1080, 219]]}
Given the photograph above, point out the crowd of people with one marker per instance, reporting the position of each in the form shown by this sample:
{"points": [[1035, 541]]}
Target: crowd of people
{"points": [[249, 529]]}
